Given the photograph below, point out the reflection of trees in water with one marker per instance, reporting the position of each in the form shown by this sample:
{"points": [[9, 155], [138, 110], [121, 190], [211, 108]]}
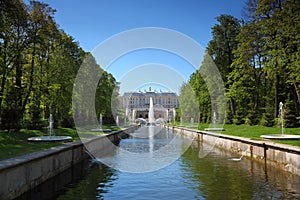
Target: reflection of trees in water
{"points": [[97, 181], [82, 181], [218, 178]]}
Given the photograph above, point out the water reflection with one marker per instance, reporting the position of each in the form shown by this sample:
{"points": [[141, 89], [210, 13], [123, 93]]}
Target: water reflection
{"points": [[189, 177], [84, 180], [148, 149], [98, 182], [212, 177], [215, 177]]}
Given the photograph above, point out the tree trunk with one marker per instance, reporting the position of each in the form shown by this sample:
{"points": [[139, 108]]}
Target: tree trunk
{"points": [[3, 81], [18, 93], [297, 92], [297, 96], [2, 91], [30, 81], [232, 106]]}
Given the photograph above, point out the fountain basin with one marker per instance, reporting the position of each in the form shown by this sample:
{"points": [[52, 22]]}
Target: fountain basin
{"points": [[50, 139], [235, 159], [101, 130], [281, 137], [214, 129]]}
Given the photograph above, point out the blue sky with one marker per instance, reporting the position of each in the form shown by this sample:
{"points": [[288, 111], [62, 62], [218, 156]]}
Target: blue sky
{"points": [[91, 22]]}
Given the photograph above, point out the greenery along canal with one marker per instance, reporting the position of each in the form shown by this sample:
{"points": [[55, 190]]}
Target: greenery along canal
{"points": [[189, 177]]}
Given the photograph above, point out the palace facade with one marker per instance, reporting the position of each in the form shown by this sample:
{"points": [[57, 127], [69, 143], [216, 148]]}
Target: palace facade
{"points": [[137, 104]]}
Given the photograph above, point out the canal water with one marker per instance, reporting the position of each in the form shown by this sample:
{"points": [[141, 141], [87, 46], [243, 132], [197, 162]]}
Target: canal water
{"points": [[189, 176]]}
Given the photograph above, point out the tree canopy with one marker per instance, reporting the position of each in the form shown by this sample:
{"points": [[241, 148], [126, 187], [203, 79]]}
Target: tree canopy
{"points": [[258, 58], [39, 63]]}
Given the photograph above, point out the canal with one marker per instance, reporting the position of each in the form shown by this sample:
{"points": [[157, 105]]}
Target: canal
{"points": [[179, 171]]}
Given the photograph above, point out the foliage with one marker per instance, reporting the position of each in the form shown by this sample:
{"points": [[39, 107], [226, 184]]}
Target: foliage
{"points": [[188, 103], [258, 58], [39, 63], [290, 119], [201, 91]]}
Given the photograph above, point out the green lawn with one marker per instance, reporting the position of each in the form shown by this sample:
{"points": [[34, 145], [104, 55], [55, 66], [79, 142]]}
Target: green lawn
{"points": [[13, 144], [253, 132]]}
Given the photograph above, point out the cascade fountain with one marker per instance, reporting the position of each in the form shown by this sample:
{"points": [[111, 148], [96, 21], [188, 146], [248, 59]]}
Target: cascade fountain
{"points": [[180, 121], [125, 116], [100, 129], [214, 124], [192, 123], [50, 127], [117, 120], [151, 134], [133, 115], [244, 153], [100, 121], [281, 136], [167, 115], [151, 119], [215, 118], [50, 137], [281, 117], [174, 115]]}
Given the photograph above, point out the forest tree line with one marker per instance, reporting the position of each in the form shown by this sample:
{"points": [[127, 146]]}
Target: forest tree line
{"points": [[258, 58], [39, 63]]}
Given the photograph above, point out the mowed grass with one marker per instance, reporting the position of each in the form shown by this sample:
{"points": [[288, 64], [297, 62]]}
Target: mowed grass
{"points": [[253, 132], [15, 143]]}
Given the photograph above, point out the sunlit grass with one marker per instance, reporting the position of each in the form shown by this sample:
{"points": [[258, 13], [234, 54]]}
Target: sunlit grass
{"points": [[15, 143], [253, 132]]}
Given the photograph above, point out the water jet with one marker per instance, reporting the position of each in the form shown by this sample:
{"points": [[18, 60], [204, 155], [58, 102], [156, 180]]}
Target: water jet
{"points": [[50, 137], [281, 136]]}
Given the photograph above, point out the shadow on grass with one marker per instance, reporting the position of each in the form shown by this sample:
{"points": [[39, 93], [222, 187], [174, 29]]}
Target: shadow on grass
{"points": [[15, 143]]}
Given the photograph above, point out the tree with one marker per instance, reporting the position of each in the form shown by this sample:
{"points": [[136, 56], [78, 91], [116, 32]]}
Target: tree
{"points": [[222, 46], [258, 61], [201, 91], [247, 76], [289, 115], [264, 64], [13, 42], [39, 63], [106, 96], [188, 103]]}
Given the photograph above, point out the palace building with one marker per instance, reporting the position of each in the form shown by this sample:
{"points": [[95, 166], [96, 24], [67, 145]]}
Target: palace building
{"points": [[138, 103]]}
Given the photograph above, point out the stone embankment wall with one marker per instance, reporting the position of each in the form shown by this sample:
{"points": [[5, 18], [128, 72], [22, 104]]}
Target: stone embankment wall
{"points": [[285, 157], [20, 174]]}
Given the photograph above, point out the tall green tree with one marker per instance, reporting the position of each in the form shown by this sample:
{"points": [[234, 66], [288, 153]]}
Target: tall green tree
{"points": [[106, 96], [222, 46], [258, 61], [13, 42], [39, 63], [264, 64], [189, 107], [201, 91]]}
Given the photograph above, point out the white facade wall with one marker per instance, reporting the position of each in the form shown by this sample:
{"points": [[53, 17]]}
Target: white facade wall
{"points": [[135, 100]]}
